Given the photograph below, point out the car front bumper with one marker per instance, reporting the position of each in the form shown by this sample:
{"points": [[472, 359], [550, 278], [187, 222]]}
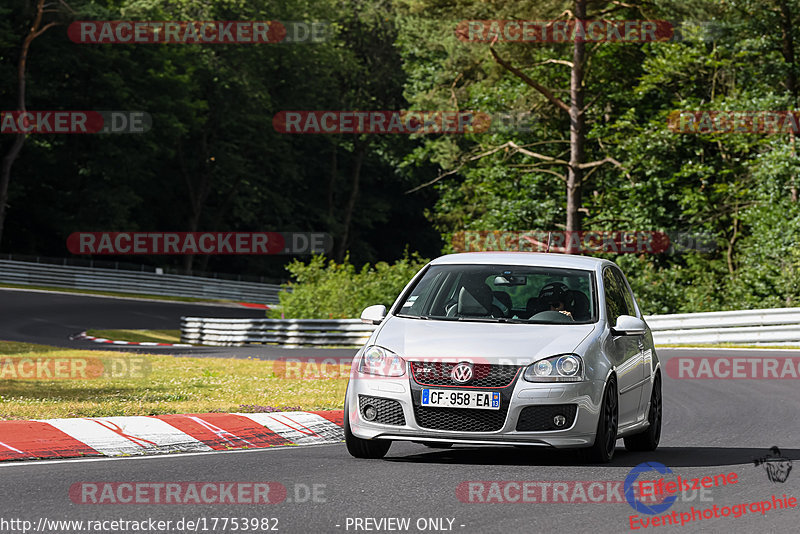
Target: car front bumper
{"points": [[586, 396]]}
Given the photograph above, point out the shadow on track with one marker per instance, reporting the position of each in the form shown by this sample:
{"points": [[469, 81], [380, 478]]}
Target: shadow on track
{"points": [[670, 456]]}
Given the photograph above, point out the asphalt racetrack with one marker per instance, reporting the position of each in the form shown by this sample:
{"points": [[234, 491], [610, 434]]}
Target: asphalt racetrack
{"points": [[51, 318], [711, 427]]}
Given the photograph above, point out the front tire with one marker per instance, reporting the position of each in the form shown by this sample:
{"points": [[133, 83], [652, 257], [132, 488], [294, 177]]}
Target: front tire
{"points": [[648, 440], [372, 449], [605, 440]]}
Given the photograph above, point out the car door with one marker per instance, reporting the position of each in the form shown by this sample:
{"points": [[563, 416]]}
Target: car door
{"points": [[645, 346], [625, 352]]}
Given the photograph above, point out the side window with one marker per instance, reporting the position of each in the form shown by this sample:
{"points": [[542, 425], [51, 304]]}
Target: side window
{"points": [[615, 296], [420, 295], [626, 293]]}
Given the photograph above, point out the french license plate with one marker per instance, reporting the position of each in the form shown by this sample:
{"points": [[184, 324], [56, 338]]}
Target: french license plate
{"points": [[441, 398]]}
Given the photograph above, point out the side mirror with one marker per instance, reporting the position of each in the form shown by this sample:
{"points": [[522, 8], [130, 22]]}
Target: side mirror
{"points": [[628, 325], [373, 314]]}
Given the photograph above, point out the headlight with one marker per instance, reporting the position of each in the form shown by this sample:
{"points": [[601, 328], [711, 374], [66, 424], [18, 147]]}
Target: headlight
{"points": [[563, 368], [379, 361]]}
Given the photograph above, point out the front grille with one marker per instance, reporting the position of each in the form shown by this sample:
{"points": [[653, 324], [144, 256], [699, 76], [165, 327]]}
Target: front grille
{"points": [[389, 411], [540, 418], [484, 375], [461, 419]]}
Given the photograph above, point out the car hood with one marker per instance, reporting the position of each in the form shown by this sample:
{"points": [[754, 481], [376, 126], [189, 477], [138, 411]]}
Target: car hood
{"points": [[525, 343]]}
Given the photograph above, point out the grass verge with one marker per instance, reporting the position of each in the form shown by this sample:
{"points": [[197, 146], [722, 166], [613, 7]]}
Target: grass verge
{"points": [[169, 385]]}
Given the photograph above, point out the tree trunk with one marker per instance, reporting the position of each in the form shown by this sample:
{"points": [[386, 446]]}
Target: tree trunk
{"points": [[217, 223], [5, 178], [361, 149], [35, 31], [194, 224], [577, 129], [787, 41], [788, 49], [332, 182], [198, 190]]}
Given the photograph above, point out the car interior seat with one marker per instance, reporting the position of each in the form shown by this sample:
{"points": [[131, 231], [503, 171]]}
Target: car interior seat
{"points": [[579, 305], [505, 302], [476, 301], [533, 307]]}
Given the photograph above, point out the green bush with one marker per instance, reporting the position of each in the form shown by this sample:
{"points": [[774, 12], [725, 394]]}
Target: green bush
{"points": [[322, 289]]}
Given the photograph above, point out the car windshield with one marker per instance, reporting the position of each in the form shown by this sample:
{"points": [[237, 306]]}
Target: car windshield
{"points": [[502, 293]]}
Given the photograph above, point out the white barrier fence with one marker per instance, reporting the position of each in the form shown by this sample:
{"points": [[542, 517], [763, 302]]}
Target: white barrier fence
{"points": [[69, 276], [287, 332], [759, 327], [779, 326]]}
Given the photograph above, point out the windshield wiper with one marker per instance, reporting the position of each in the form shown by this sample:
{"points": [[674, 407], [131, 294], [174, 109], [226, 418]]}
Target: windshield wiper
{"points": [[428, 317], [465, 319], [492, 320]]}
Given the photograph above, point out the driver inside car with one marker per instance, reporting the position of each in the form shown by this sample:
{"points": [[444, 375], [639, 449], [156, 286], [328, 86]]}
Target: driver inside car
{"points": [[555, 296]]}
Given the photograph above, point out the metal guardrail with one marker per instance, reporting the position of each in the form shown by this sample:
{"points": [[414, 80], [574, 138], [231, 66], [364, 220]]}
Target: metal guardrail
{"points": [[117, 265], [36, 274], [287, 332], [774, 327], [779, 326]]}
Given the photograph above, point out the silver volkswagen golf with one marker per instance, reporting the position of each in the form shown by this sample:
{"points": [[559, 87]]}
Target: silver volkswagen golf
{"points": [[507, 349]]}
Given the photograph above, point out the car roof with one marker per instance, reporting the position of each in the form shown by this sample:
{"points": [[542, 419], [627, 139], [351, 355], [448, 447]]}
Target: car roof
{"points": [[531, 259]]}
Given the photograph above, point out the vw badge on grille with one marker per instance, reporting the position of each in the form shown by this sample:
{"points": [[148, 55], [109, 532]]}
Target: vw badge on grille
{"points": [[462, 373]]}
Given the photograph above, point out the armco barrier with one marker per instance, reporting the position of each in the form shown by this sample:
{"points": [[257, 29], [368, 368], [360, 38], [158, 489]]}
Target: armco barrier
{"points": [[779, 326], [288, 332], [68, 276], [759, 327]]}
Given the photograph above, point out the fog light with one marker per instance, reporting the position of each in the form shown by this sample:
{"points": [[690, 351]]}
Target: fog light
{"points": [[370, 413], [559, 420]]}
